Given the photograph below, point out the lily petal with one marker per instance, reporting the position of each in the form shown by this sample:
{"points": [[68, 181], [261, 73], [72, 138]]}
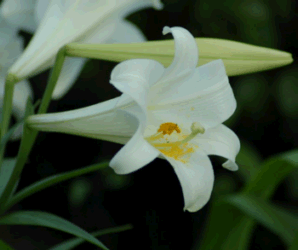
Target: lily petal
{"points": [[196, 178], [206, 97], [127, 32], [72, 68], [114, 31], [20, 13], [69, 21], [96, 121], [10, 50], [185, 60], [220, 141], [133, 78]]}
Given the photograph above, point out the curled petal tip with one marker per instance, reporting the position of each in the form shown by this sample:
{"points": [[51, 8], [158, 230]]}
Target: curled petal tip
{"points": [[158, 4], [230, 165], [166, 30]]}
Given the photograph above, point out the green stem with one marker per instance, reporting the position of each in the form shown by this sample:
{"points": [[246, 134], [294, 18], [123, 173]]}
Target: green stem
{"points": [[52, 81], [11, 80], [25, 148]]}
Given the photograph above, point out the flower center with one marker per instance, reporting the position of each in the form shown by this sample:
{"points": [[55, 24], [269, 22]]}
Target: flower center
{"points": [[171, 142]]}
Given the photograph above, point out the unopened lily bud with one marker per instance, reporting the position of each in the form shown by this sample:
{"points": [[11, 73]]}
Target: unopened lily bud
{"points": [[239, 58]]}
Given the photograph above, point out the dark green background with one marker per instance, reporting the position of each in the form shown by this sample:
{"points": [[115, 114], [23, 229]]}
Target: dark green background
{"points": [[151, 198]]}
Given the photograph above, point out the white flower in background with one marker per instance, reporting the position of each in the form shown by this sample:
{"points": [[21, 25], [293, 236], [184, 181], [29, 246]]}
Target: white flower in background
{"points": [[10, 48], [174, 113], [20, 13], [64, 21]]}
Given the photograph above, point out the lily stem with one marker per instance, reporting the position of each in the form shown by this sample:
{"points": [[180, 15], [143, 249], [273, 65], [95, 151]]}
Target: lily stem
{"points": [[11, 80], [25, 151]]}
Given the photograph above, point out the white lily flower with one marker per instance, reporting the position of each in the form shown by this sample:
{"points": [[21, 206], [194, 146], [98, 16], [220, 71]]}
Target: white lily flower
{"points": [[10, 48], [174, 113], [20, 13], [64, 21]]}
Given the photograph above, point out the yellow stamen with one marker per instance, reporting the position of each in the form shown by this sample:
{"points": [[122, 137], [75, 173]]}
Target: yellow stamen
{"points": [[168, 128], [179, 150]]}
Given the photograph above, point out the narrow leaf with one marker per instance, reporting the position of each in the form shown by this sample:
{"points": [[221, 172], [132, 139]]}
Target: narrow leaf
{"points": [[20, 161], [235, 229], [272, 172], [4, 246], [6, 172], [270, 216], [70, 244], [294, 245], [50, 181], [37, 218]]}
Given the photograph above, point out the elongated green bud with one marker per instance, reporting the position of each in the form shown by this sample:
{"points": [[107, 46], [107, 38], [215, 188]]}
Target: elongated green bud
{"points": [[239, 58]]}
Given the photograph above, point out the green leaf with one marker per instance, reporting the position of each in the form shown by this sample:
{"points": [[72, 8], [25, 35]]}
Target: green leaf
{"points": [[275, 219], [235, 228], [50, 181], [294, 245], [70, 244], [37, 218], [262, 184], [10, 132], [4, 246], [6, 172], [272, 172], [249, 161], [21, 159], [222, 221]]}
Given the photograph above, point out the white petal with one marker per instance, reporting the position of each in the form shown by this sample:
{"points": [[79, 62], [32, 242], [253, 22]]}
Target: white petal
{"points": [[206, 97], [20, 13], [184, 63], [7, 32], [134, 78], [71, 70], [96, 121], [220, 141], [40, 9], [65, 22], [10, 52], [196, 178], [127, 32], [136, 153]]}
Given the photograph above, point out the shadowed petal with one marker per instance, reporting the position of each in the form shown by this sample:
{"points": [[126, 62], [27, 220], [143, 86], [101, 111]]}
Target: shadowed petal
{"points": [[20, 13], [220, 141], [206, 97], [127, 32], [196, 178], [183, 65], [66, 21], [72, 68], [133, 78]]}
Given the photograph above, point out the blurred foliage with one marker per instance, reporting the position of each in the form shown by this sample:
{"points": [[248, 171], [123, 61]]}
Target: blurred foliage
{"points": [[265, 120]]}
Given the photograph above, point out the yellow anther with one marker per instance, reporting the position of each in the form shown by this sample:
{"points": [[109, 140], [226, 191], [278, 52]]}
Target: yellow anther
{"points": [[179, 150], [168, 128]]}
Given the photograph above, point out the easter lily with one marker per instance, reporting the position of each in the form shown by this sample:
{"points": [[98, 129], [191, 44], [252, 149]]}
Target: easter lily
{"points": [[64, 21], [10, 48], [174, 113]]}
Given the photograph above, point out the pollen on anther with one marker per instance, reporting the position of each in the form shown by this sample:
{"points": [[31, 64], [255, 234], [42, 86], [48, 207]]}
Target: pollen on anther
{"points": [[168, 128]]}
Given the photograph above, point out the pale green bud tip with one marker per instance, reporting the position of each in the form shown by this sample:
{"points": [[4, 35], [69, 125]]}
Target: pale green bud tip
{"points": [[157, 4], [241, 58]]}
